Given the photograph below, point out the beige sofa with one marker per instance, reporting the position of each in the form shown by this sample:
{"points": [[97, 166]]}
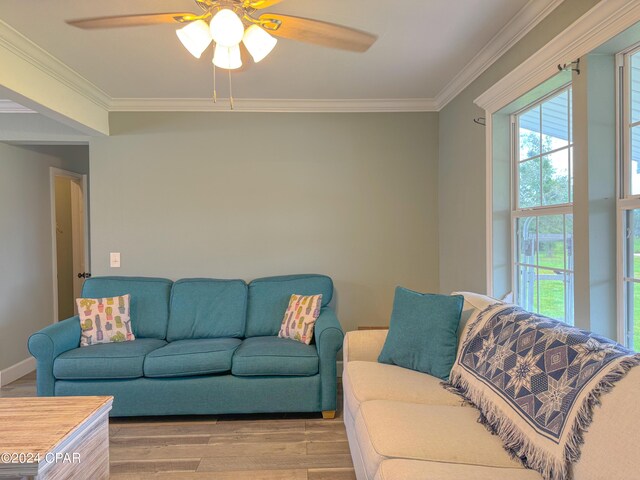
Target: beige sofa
{"points": [[403, 425]]}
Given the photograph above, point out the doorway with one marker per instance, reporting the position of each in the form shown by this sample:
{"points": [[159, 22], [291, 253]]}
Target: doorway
{"points": [[69, 216]]}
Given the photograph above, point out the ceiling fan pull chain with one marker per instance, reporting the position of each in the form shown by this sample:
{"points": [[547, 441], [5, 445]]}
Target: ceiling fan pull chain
{"points": [[215, 95], [230, 91]]}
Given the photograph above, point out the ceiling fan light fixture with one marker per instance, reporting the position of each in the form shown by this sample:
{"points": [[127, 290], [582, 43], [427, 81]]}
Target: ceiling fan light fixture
{"points": [[227, 57], [195, 37], [226, 28], [258, 42]]}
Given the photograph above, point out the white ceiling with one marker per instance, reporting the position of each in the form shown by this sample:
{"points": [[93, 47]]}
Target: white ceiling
{"points": [[423, 45]]}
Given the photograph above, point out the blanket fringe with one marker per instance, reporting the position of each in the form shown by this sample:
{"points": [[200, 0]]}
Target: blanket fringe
{"points": [[518, 445]]}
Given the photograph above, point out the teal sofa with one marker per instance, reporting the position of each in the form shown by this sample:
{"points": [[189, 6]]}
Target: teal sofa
{"points": [[203, 346]]}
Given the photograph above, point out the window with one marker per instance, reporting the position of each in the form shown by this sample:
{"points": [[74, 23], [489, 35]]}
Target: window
{"points": [[542, 217], [629, 199]]}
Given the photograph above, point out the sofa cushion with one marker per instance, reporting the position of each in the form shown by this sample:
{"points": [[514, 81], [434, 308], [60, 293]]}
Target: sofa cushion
{"points": [[274, 356], [439, 433], [105, 360], [423, 333], [363, 381], [184, 358], [149, 301], [397, 469], [474, 304], [207, 308], [269, 297]]}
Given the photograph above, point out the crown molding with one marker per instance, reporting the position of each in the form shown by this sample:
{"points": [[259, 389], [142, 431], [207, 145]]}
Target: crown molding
{"points": [[272, 105], [602, 22], [27, 50], [7, 106], [525, 20]]}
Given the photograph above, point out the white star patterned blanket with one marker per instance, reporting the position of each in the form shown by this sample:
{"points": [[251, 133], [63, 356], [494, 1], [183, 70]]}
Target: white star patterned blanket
{"points": [[536, 381]]}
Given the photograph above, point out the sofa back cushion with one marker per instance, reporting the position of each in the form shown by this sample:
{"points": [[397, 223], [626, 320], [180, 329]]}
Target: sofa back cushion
{"points": [[474, 304], [207, 308], [149, 308], [269, 297]]}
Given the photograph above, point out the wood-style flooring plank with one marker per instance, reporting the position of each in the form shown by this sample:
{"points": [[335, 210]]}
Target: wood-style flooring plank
{"points": [[167, 420], [155, 429], [259, 437], [160, 440], [146, 466], [326, 436], [236, 475], [331, 474], [266, 462], [327, 448], [223, 449], [259, 426]]}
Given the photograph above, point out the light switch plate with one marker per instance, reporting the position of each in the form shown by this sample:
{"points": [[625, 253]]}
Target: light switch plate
{"points": [[114, 259]]}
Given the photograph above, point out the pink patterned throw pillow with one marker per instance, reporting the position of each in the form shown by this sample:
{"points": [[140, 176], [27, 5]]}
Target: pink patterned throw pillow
{"points": [[301, 315]]}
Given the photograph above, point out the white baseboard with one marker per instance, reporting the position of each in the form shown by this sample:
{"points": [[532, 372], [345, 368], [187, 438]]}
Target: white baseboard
{"points": [[19, 370]]}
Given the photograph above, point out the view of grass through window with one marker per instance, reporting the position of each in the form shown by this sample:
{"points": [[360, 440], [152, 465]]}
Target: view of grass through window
{"points": [[631, 277], [543, 220], [633, 225]]}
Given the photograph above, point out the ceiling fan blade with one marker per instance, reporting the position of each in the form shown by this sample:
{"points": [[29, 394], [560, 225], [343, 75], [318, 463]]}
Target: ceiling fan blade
{"points": [[317, 32], [260, 4], [134, 20]]}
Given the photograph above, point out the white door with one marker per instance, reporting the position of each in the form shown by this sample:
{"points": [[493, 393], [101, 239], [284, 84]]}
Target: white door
{"points": [[70, 240], [77, 238]]}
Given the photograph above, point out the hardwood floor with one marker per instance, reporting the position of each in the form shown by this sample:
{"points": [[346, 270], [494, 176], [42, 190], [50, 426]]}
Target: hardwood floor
{"points": [[226, 447]]}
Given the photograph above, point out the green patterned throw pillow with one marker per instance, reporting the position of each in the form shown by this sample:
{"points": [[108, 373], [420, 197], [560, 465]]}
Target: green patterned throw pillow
{"points": [[300, 317], [104, 320]]}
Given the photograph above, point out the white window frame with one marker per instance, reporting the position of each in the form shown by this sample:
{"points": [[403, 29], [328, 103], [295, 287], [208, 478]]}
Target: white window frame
{"points": [[539, 211], [625, 200]]}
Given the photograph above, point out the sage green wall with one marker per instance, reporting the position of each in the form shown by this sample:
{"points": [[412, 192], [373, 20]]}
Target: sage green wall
{"points": [[26, 278], [462, 162], [243, 195]]}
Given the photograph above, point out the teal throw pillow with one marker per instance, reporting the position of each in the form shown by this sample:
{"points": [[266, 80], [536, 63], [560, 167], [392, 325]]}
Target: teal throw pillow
{"points": [[423, 332]]}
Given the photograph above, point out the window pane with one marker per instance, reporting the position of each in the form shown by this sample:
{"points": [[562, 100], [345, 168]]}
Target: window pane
{"points": [[632, 270], [527, 287], [555, 178], [632, 297], [570, 115], [543, 276], [635, 87], [635, 320], [527, 241], [551, 241], [529, 133], [568, 246], [555, 122], [529, 183], [635, 160], [568, 297], [634, 237], [544, 263], [571, 175], [552, 293]]}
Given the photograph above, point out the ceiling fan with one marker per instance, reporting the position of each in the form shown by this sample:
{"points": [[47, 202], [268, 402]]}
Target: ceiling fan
{"points": [[234, 25]]}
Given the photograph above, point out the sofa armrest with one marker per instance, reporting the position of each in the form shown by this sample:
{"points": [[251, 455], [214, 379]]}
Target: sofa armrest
{"points": [[47, 344], [364, 345], [329, 336]]}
